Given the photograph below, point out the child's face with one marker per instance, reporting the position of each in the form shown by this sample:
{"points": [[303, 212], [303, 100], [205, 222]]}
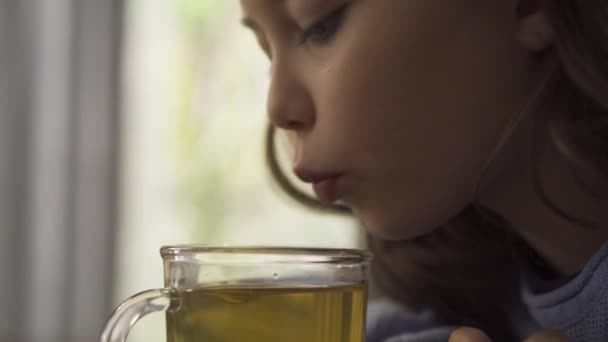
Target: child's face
{"points": [[405, 99]]}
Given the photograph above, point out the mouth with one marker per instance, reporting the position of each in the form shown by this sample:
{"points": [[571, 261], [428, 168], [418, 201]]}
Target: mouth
{"points": [[324, 184]]}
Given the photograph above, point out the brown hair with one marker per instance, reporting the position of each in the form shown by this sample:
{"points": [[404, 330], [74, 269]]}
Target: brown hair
{"points": [[467, 270]]}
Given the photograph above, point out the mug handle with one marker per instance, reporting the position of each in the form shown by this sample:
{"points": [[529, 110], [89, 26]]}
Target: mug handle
{"points": [[135, 308]]}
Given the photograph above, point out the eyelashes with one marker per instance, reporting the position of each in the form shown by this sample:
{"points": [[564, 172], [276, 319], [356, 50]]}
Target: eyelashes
{"points": [[322, 31]]}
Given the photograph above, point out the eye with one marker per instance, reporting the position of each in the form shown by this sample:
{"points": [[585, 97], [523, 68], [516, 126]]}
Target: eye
{"points": [[322, 31]]}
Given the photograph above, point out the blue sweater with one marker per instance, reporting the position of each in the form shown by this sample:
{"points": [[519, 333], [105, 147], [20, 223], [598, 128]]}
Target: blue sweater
{"points": [[577, 309]]}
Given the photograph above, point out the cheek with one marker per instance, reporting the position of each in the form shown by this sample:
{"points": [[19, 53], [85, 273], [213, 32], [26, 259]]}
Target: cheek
{"points": [[412, 172], [401, 117], [417, 127]]}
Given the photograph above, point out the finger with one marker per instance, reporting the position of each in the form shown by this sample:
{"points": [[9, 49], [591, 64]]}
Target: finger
{"points": [[546, 336], [466, 334]]}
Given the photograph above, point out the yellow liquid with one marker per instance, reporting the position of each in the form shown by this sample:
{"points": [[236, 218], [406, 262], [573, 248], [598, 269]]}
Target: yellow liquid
{"points": [[330, 314]]}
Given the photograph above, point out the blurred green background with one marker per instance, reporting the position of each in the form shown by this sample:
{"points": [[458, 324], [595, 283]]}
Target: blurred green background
{"points": [[192, 157]]}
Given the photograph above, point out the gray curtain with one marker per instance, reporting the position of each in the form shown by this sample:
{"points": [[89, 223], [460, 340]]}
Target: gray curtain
{"points": [[59, 95], [11, 168]]}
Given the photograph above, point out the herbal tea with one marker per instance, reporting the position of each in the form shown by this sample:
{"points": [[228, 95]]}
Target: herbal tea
{"points": [[263, 314]]}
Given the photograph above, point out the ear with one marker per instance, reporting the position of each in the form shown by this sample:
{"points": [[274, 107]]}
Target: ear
{"points": [[535, 30]]}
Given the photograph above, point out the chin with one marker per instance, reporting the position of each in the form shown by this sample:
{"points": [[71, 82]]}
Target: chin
{"points": [[393, 228]]}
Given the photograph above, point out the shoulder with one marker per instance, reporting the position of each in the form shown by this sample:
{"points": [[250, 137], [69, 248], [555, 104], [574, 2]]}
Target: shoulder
{"points": [[577, 309]]}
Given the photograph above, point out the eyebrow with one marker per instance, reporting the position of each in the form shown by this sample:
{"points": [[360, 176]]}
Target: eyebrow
{"points": [[253, 25], [250, 23]]}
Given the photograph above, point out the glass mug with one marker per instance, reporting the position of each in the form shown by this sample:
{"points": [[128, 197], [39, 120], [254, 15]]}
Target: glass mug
{"points": [[251, 294]]}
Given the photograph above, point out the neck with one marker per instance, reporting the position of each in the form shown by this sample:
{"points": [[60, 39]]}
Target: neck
{"points": [[565, 243]]}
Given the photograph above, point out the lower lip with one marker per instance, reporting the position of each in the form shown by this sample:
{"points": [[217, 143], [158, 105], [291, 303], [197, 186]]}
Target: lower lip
{"points": [[326, 190]]}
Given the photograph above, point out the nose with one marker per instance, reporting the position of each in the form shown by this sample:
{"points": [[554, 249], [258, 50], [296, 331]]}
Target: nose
{"points": [[290, 105]]}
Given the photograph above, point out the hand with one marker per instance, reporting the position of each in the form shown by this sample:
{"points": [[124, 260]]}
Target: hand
{"points": [[466, 334]]}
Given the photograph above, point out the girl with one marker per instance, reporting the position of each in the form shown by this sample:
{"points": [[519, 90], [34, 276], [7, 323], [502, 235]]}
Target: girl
{"points": [[469, 137]]}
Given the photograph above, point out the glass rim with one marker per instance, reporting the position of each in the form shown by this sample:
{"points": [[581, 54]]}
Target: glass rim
{"points": [[286, 254]]}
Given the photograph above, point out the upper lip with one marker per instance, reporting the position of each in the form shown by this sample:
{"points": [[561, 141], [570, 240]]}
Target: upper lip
{"points": [[309, 176]]}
